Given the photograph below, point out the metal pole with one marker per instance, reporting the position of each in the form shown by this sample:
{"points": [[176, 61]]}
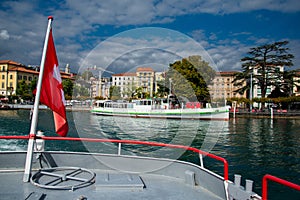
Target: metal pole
{"points": [[34, 119], [251, 92], [100, 84]]}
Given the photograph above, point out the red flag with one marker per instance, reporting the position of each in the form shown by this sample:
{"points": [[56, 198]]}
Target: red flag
{"points": [[52, 94]]}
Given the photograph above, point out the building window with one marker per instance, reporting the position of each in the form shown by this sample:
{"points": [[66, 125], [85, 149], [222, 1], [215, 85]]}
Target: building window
{"points": [[25, 78], [2, 84], [19, 77], [30, 78], [3, 77], [11, 76]]}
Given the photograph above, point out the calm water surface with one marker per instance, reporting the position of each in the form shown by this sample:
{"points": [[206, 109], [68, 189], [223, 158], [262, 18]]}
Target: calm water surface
{"points": [[253, 147]]}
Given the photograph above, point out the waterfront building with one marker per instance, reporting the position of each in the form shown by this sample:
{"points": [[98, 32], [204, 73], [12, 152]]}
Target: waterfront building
{"points": [[12, 73], [145, 79], [129, 82], [126, 82], [271, 76], [222, 87], [100, 88], [159, 78], [296, 87]]}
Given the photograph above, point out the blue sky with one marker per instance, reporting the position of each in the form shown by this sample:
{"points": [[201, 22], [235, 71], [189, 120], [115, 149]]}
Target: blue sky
{"points": [[226, 30]]}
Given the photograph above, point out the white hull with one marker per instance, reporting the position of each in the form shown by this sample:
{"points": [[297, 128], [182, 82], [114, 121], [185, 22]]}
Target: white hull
{"points": [[221, 113]]}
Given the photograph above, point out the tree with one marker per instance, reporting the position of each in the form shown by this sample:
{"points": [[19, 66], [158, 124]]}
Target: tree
{"points": [[80, 91], [162, 90], [68, 87], [114, 92], [262, 63], [288, 82], [86, 75], [189, 78]]}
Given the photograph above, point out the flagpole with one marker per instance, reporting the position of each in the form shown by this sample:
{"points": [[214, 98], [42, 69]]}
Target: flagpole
{"points": [[34, 119]]}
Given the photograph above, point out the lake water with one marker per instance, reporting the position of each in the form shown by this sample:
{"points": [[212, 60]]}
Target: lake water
{"points": [[253, 147]]}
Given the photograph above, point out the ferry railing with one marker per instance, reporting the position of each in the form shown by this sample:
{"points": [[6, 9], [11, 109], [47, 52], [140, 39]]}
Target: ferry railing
{"points": [[266, 178], [133, 142], [269, 177]]}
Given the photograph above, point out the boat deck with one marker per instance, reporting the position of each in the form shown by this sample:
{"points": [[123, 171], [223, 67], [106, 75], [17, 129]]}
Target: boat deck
{"points": [[115, 177], [155, 187]]}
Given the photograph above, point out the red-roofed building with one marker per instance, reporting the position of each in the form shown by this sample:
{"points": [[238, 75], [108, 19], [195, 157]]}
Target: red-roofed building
{"points": [[11, 73]]}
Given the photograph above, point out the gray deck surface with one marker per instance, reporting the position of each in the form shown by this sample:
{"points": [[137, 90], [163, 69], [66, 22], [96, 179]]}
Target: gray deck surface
{"points": [[156, 187]]}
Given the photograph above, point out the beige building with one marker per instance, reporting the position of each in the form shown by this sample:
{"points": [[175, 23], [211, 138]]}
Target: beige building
{"points": [[145, 79], [100, 88], [222, 86]]}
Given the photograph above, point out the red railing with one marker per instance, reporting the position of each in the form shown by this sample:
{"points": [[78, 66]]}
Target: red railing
{"points": [[218, 158], [277, 180]]}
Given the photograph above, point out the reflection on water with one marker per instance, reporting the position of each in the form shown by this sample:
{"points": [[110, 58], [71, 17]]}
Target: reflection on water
{"points": [[253, 147], [183, 132]]}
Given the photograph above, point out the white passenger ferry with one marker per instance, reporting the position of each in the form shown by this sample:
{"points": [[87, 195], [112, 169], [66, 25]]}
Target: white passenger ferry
{"points": [[160, 108]]}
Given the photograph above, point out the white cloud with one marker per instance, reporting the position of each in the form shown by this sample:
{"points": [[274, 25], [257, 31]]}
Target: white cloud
{"points": [[143, 46], [23, 25], [4, 35]]}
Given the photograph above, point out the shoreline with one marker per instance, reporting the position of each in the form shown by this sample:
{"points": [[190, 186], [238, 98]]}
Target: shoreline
{"points": [[245, 114], [43, 107], [276, 115]]}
